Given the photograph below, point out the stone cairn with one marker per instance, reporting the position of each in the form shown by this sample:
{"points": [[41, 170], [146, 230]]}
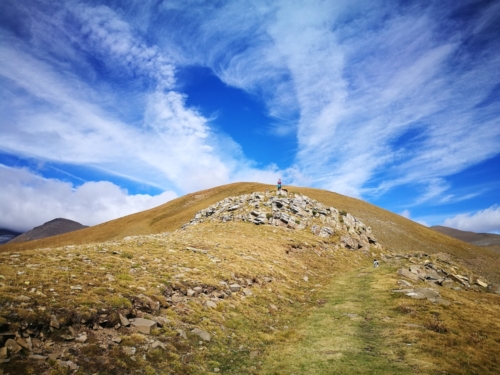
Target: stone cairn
{"points": [[297, 213]]}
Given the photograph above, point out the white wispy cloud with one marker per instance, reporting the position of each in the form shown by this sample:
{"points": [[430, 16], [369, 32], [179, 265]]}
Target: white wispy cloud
{"points": [[487, 220], [28, 200], [380, 95], [104, 32], [407, 214], [62, 118], [360, 77]]}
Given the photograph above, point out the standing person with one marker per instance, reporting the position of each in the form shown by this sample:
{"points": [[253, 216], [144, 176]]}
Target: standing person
{"points": [[279, 184]]}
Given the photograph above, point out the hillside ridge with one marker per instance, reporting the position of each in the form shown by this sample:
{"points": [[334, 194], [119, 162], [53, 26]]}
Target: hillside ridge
{"points": [[393, 231], [478, 239]]}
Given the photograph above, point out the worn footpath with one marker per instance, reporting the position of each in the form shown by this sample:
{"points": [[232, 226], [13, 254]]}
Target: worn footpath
{"points": [[348, 333]]}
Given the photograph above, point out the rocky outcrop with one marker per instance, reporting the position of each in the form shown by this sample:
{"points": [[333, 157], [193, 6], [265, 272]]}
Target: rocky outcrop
{"points": [[437, 270], [298, 213]]}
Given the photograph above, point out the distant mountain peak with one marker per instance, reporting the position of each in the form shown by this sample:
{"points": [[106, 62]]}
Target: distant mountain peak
{"points": [[50, 228], [478, 239]]}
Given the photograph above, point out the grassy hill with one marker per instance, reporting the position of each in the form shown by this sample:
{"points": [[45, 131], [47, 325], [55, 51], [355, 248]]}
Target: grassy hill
{"points": [[395, 232], [239, 298]]}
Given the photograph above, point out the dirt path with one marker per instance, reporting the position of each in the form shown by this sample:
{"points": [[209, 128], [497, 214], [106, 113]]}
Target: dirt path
{"points": [[350, 333]]}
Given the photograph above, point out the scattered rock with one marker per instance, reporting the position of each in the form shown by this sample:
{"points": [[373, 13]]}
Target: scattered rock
{"points": [[204, 335], [69, 364], [22, 342], [162, 321], [404, 283], [415, 295], [13, 346], [54, 323], [144, 325], [82, 338], [234, 287], [158, 344], [427, 292], [53, 356], [481, 283], [182, 334], [447, 283], [211, 304], [440, 301], [130, 350], [123, 320], [406, 273]]}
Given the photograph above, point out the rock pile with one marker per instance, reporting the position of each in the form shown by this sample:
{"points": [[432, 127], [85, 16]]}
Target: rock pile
{"points": [[438, 270], [298, 213]]}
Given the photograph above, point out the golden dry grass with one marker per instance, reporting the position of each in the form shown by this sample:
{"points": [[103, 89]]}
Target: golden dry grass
{"points": [[363, 328], [395, 232], [240, 325], [252, 333], [463, 338]]}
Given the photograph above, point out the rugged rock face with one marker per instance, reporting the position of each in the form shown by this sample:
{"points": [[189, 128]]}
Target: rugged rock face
{"points": [[298, 213]]}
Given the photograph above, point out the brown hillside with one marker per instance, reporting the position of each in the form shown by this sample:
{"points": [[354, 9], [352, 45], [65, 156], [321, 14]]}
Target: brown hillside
{"points": [[394, 232]]}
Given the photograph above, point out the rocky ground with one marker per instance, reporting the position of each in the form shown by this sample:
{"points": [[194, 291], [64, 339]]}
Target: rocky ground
{"points": [[437, 270]]}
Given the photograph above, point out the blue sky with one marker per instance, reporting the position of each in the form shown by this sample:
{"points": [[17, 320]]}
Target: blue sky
{"points": [[113, 107]]}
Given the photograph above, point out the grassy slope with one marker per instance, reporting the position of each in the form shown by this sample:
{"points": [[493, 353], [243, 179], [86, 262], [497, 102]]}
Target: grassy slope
{"points": [[242, 327], [165, 218], [249, 332], [363, 328], [394, 232], [345, 335]]}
